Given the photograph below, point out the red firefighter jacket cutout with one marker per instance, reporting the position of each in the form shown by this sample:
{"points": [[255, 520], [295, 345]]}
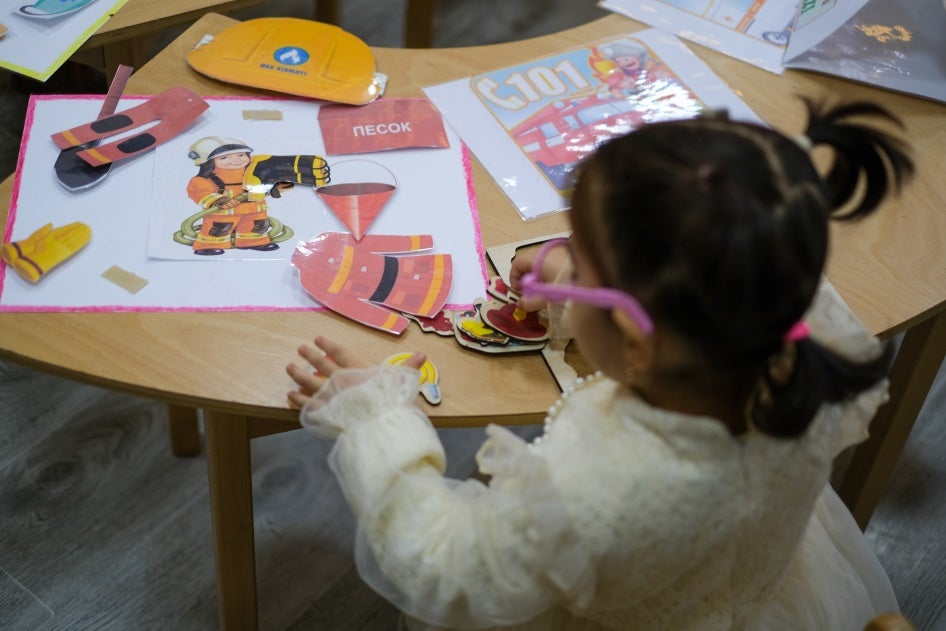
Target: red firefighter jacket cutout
{"points": [[363, 281]]}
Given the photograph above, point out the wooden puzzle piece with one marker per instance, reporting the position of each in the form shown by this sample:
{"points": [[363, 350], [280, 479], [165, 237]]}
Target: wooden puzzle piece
{"points": [[441, 323], [508, 318], [429, 377], [472, 325], [512, 346], [175, 108], [498, 288]]}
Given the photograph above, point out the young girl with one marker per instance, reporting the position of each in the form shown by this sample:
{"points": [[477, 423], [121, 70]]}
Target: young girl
{"points": [[685, 484]]}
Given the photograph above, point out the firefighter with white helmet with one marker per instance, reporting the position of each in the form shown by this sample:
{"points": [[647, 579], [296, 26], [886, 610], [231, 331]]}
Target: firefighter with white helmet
{"points": [[233, 221], [628, 64]]}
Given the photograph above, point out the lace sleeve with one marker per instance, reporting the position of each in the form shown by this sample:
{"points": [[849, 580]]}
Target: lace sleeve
{"points": [[835, 326], [450, 553]]}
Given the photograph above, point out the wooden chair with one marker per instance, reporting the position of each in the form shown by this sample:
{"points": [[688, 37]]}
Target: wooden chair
{"points": [[418, 26]]}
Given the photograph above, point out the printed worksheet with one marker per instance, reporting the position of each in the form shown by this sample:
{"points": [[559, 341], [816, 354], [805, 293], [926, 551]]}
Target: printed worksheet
{"points": [[765, 33]]}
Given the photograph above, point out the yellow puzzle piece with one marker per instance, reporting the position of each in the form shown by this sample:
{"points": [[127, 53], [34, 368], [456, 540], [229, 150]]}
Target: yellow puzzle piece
{"points": [[292, 56], [429, 377]]}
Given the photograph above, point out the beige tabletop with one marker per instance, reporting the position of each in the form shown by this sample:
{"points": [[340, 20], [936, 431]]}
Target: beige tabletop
{"points": [[891, 269]]}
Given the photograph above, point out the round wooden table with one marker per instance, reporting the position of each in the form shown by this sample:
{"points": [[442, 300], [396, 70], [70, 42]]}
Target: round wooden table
{"points": [[891, 270]]}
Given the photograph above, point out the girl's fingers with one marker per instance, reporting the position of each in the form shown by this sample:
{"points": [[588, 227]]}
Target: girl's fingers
{"points": [[323, 363], [340, 354], [415, 361], [309, 383], [298, 399]]}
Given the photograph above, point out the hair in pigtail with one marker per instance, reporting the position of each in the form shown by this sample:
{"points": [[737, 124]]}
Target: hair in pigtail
{"points": [[785, 401], [720, 229], [805, 373], [864, 156]]}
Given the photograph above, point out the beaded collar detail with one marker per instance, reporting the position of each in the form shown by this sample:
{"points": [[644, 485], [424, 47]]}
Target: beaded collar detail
{"points": [[552, 414]]}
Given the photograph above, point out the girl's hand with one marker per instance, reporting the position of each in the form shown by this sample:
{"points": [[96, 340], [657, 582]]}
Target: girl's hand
{"points": [[524, 262], [326, 358]]}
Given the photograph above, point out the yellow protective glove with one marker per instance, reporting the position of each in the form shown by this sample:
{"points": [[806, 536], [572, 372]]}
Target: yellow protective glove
{"points": [[35, 256]]}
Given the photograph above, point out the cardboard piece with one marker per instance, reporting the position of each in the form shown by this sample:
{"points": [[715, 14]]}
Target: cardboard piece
{"points": [[175, 108], [74, 173], [291, 56], [371, 281], [381, 126]]}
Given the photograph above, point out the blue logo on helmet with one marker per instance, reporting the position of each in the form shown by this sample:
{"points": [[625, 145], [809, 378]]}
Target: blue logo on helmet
{"points": [[291, 56]]}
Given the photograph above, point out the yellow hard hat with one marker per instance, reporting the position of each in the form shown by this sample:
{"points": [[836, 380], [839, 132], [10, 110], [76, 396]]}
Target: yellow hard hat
{"points": [[210, 147], [292, 56]]}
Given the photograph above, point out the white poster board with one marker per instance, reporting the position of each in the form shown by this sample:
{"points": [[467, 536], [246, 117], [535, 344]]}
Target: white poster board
{"points": [[143, 199]]}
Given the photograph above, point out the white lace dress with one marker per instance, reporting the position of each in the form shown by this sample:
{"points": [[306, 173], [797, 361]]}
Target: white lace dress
{"points": [[621, 516]]}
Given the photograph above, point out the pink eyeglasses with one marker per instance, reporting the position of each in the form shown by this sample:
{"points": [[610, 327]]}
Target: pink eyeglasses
{"points": [[604, 297]]}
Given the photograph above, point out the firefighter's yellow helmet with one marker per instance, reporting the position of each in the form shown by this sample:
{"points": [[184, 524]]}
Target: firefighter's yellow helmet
{"points": [[211, 147]]}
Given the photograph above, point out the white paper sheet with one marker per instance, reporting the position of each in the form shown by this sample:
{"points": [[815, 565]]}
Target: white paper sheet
{"points": [[36, 47]]}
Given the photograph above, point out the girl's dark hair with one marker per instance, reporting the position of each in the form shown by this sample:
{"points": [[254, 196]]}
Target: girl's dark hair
{"points": [[720, 229]]}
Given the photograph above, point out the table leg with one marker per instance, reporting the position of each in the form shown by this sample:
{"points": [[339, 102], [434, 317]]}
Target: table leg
{"points": [[184, 430], [231, 500], [419, 26], [914, 369]]}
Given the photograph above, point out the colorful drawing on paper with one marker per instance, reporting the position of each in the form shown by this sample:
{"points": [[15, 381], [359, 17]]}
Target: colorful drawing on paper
{"points": [[359, 190], [46, 248], [231, 186], [372, 280], [559, 109], [135, 130], [74, 173]]}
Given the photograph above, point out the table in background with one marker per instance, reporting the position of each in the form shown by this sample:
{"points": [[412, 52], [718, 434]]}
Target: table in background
{"points": [[890, 269], [126, 37]]}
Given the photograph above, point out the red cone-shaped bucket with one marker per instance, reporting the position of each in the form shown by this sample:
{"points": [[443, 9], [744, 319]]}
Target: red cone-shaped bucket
{"points": [[356, 204]]}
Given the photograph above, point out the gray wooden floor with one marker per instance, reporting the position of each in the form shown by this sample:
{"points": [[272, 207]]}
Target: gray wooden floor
{"points": [[101, 528]]}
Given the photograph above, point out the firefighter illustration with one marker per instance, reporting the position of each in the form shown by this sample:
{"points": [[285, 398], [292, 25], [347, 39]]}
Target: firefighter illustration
{"points": [[624, 65], [231, 187], [230, 219]]}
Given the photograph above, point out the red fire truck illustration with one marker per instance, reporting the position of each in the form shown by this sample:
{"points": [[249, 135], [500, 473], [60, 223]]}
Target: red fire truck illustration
{"points": [[566, 131]]}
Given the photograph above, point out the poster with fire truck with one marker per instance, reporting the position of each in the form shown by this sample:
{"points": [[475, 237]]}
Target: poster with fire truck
{"points": [[531, 124]]}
